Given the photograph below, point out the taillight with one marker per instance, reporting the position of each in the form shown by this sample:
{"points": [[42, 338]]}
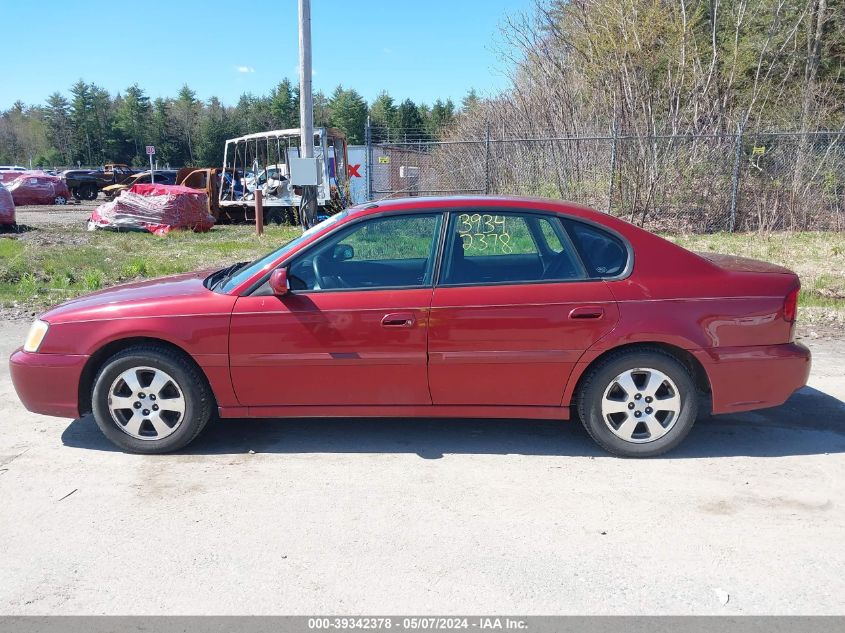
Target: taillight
{"points": [[790, 306]]}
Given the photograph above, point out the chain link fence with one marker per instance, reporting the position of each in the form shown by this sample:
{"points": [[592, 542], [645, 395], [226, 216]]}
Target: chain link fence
{"points": [[738, 182]]}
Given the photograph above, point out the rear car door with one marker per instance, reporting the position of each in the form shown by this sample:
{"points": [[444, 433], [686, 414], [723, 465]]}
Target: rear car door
{"points": [[513, 310], [352, 330]]}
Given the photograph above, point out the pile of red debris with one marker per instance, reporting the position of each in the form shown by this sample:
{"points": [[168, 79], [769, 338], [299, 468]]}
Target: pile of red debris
{"points": [[154, 208], [7, 207]]}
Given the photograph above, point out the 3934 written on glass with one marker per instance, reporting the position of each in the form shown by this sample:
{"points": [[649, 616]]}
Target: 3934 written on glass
{"points": [[485, 233]]}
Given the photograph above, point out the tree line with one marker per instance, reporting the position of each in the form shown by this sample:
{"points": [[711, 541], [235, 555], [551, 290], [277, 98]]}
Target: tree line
{"points": [[89, 126], [675, 81], [652, 67]]}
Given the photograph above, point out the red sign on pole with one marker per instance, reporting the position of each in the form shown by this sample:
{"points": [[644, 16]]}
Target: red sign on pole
{"points": [[151, 150], [353, 170]]}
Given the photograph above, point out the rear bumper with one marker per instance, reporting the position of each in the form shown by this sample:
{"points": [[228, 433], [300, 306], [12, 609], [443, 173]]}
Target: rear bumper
{"points": [[48, 383], [747, 378]]}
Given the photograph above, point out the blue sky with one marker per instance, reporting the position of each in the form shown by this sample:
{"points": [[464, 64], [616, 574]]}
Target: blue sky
{"points": [[421, 50]]}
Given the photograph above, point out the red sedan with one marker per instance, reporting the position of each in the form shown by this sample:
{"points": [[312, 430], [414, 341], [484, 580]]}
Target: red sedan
{"points": [[453, 307], [37, 188]]}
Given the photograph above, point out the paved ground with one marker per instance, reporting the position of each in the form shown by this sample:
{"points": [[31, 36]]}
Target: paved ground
{"points": [[401, 516]]}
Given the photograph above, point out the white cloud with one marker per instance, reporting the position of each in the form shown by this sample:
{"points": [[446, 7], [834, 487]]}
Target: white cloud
{"points": [[245, 69]]}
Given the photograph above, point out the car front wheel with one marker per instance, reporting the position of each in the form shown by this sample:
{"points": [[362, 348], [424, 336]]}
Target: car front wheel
{"points": [[151, 399], [638, 403]]}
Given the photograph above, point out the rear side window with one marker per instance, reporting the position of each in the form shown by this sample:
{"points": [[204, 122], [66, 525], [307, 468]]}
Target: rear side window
{"points": [[511, 247], [603, 254]]}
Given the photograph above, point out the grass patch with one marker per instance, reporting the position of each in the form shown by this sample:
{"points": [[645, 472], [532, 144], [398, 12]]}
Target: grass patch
{"points": [[44, 267]]}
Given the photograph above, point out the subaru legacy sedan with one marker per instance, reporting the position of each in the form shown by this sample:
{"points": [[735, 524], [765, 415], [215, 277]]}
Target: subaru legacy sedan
{"points": [[431, 307]]}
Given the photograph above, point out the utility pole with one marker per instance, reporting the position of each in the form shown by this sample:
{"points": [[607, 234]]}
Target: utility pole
{"points": [[308, 204]]}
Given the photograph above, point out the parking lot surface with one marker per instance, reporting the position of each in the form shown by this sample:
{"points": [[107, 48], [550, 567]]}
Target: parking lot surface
{"points": [[427, 516]]}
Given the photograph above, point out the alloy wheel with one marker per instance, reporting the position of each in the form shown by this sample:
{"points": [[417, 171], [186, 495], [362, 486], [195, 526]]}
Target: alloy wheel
{"points": [[641, 405], [146, 403]]}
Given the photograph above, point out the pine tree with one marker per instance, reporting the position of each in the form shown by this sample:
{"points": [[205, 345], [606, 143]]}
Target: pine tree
{"points": [[82, 119], [186, 108], [382, 116], [132, 119], [409, 121], [284, 105], [59, 128], [349, 113]]}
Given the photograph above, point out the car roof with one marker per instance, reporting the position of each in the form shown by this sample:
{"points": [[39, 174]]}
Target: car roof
{"points": [[479, 202]]}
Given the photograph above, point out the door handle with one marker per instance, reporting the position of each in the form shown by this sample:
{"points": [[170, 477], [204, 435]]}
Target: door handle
{"points": [[398, 319], [587, 312]]}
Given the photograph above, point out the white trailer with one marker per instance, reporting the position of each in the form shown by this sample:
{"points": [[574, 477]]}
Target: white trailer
{"points": [[270, 161]]}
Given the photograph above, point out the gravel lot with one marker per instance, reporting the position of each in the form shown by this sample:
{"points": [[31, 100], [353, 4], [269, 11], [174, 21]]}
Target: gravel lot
{"points": [[405, 516], [71, 213]]}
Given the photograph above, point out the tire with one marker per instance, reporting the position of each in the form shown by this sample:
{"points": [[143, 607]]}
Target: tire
{"points": [[88, 192], [60, 200], [155, 424], [273, 214], [638, 403], [75, 193]]}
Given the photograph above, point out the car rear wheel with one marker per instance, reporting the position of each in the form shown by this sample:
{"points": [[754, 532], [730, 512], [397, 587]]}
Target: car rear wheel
{"points": [[638, 403], [151, 399], [60, 200]]}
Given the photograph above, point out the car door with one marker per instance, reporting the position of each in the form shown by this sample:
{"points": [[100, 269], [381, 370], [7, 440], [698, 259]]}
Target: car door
{"points": [[42, 190], [353, 329], [513, 310]]}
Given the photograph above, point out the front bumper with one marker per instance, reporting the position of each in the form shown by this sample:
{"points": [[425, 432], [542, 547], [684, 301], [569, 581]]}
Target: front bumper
{"points": [[48, 383], [747, 378]]}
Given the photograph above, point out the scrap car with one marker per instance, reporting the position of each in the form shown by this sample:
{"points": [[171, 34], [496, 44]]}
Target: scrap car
{"points": [[10, 172], [160, 177], [7, 208], [38, 188], [86, 184]]}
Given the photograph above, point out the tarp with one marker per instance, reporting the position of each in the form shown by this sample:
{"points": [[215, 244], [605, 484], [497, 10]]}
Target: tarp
{"points": [[155, 208], [7, 206]]}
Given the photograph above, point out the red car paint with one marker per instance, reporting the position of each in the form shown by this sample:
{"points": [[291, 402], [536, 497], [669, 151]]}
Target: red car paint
{"points": [[7, 176], [7, 207], [35, 188], [504, 350]]}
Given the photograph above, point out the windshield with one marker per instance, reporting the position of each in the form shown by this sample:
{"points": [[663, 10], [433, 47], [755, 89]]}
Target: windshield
{"points": [[263, 263]]}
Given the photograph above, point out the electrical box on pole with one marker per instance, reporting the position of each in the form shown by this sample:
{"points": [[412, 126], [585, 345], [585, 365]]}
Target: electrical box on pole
{"points": [[305, 171]]}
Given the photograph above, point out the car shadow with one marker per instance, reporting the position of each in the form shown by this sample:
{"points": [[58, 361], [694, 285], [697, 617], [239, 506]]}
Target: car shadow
{"points": [[811, 422]]}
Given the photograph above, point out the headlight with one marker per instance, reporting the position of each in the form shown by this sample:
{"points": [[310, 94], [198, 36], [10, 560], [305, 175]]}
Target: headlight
{"points": [[36, 334]]}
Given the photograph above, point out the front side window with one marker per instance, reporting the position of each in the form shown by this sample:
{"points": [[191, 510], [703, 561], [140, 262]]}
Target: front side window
{"points": [[386, 252], [491, 248]]}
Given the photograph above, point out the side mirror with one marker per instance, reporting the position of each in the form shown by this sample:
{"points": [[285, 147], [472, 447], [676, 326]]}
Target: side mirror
{"points": [[279, 282], [342, 252]]}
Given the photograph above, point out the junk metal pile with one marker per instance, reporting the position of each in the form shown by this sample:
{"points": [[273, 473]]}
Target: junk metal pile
{"points": [[155, 208]]}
